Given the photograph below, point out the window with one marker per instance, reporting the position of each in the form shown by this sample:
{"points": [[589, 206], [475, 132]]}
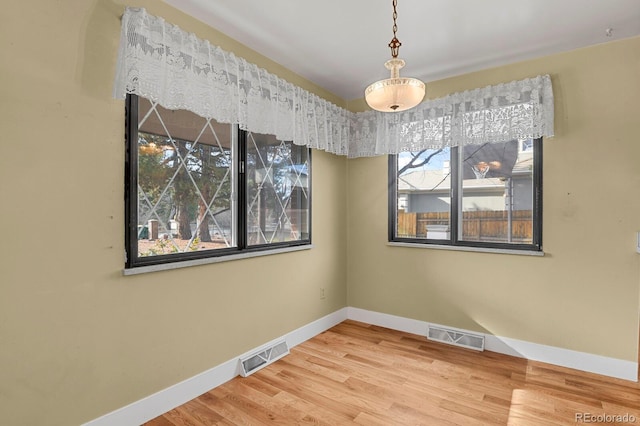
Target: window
{"points": [[197, 188], [487, 195], [526, 145]]}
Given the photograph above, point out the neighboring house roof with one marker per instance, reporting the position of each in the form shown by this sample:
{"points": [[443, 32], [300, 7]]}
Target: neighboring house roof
{"points": [[224, 218], [440, 181], [524, 166], [434, 181]]}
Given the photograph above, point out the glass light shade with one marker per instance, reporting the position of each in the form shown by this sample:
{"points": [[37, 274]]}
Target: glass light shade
{"points": [[395, 94]]}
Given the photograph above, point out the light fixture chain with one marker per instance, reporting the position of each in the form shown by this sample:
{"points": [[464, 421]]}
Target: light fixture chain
{"points": [[395, 93], [395, 18], [395, 44]]}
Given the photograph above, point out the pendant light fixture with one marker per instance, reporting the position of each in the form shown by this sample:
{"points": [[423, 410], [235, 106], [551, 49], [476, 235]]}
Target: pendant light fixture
{"points": [[395, 94]]}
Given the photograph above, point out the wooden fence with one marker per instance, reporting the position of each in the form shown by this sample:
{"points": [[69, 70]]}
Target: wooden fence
{"points": [[476, 225]]}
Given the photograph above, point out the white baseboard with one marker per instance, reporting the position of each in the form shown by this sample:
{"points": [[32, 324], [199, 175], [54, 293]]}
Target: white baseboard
{"points": [[612, 367], [165, 400], [606, 366], [393, 322], [154, 405]]}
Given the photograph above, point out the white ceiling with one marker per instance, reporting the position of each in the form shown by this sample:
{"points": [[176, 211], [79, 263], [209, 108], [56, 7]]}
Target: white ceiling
{"points": [[341, 45]]}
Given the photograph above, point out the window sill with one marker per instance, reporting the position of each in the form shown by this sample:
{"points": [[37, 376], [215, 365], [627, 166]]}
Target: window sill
{"points": [[470, 249], [209, 260]]}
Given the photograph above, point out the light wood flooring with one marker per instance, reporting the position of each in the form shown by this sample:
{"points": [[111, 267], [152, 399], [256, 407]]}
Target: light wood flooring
{"points": [[361, 374]]}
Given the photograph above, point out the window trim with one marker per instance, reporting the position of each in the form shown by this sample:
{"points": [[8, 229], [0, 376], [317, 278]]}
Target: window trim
{"points": [[454, 242], [176, 260]]}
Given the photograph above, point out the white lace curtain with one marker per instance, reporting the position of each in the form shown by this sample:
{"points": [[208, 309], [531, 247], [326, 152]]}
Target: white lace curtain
{"points": [[516, 110], [165, 64]]}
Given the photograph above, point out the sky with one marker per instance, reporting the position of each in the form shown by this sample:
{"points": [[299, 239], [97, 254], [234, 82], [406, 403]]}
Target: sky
{"points": [[434, 164]]}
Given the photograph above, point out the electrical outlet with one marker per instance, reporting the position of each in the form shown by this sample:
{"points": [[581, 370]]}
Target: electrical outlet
{"points": [[322, 295]]}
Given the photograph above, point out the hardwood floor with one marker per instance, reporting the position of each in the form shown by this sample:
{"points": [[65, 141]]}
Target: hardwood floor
{"points": [[361, 374]]}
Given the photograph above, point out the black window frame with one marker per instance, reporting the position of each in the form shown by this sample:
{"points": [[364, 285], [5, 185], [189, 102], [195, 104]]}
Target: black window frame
{"points": [[455, 197], [132, 260]]}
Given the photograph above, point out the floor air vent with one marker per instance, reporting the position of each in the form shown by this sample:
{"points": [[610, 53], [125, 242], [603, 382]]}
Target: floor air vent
{"points": [[456, 337], [252, 363]]}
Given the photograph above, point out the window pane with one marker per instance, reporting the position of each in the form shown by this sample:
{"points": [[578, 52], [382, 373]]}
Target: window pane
{"points": [[424, 194], [497, 192], [277, 176], [184, 182]]}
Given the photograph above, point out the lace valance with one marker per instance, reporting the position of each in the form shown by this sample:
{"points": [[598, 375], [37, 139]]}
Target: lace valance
{"points": [[516, 110], [161, 62]]}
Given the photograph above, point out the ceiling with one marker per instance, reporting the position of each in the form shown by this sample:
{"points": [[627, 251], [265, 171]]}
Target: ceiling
{"points": [[341, 45]]}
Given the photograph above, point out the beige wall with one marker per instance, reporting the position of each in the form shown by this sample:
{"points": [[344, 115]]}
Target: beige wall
{"points": [[583, 294], [78, 339]]}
